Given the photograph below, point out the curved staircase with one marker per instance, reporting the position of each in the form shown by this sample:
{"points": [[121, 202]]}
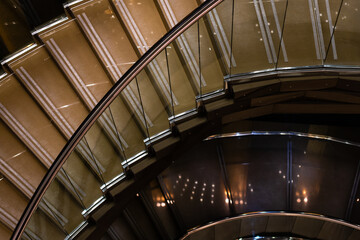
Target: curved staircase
{"points": [[242, 60]]}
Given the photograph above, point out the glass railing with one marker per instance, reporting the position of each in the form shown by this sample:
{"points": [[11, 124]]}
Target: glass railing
{"points": [[189, 62], [275, 225], [157, 88]]}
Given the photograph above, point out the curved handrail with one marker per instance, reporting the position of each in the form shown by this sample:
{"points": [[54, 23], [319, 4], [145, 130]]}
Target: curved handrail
{"points": [[282, 133], [275, 213], [102, 106]]}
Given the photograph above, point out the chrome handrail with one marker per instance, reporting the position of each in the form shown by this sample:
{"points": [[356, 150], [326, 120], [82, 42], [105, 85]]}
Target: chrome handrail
{"points": [[274, 213], [168, 38], [282, 133]]}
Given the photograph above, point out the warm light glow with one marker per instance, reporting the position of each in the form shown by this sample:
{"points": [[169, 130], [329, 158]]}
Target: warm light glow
{"points": [[298, 200], [305, 200]]}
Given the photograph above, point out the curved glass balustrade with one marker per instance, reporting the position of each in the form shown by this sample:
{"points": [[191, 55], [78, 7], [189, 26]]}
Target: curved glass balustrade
{"points": [[190, 62], [275, 225], [264, 171]]}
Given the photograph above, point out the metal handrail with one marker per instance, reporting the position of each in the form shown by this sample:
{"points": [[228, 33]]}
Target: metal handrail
{"points": [[102, 106], [282, 133], [275, 213]]}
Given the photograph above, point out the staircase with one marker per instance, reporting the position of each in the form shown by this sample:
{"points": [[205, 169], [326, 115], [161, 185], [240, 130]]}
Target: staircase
{"points": [[51, 86]]}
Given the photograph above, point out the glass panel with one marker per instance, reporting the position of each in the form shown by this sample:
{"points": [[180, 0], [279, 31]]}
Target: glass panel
{"points": [[182, 86], [301, 35], [189, 49], [257, 172], [219, 21], [121, 229], [192, 190], [328, 11], [79, 179], [251, 47], [161, 207], [211, 70], [347, 35], [274, 25], [61, 207], [128, 131], [136, 211], [355, 213], [158, 70], [107, 156], [40, 226], [152, 99], [323, 174]]}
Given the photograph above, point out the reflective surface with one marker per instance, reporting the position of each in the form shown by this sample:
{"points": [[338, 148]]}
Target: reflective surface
{"points": [[276, 225], [242, 175], [263, 173], [192, 191]]}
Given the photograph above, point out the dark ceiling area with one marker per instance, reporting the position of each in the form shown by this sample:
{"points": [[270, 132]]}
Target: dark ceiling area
{"points": [[19, 17], [227, 177]]}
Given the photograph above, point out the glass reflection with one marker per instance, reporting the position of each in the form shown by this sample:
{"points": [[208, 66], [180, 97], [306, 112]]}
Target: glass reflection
{"points": [[323, 175], [256, 168], [190, 190]]}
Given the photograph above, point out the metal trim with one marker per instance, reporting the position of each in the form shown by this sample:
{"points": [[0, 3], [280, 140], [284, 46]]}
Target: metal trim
{"points": [[276, 213], [157, 137], [113, 182], [132, 160], [3, 75], [97, 203], [282, 133], [49, 25], [19, 53], [77, 230], [302, 70]]}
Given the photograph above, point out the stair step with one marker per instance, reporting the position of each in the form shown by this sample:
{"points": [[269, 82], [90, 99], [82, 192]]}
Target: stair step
{"points": [[18, 164], [41, 76], [5, 233], [25, 118], [219, 107], [13, 203], [75, 57], [186, 128], [100, 24], [36, 131], [164, 147]]}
